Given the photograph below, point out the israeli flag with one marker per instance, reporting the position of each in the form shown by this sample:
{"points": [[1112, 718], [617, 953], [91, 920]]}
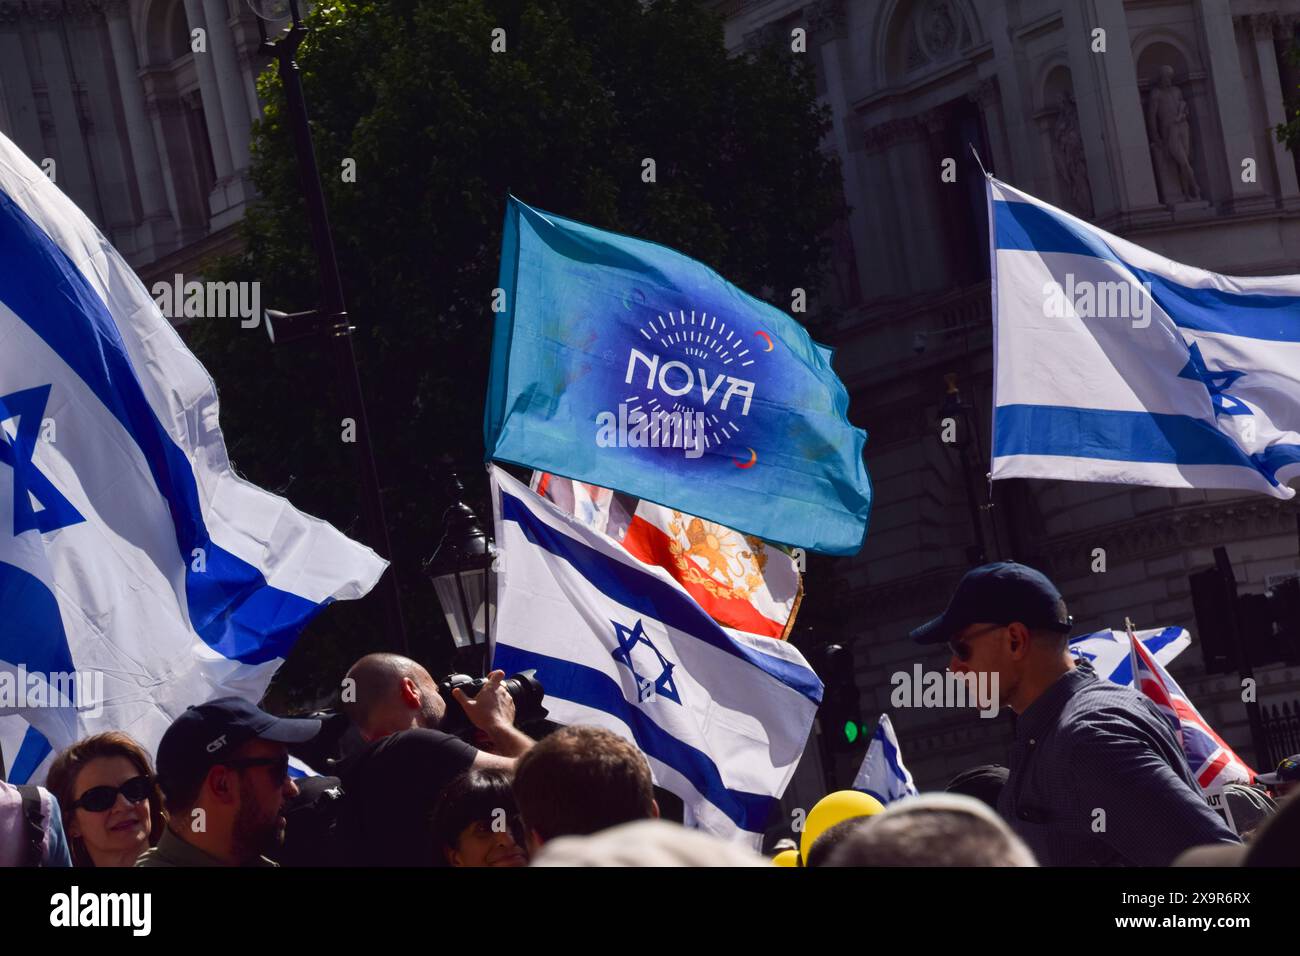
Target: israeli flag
{"points": [[1110, 653], [722, 716], [1115, 364], [138, 573], [883, 774]]}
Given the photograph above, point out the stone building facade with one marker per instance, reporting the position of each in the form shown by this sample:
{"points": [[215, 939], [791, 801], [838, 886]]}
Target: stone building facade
{"points": [[145, 120], [1147, 140]]}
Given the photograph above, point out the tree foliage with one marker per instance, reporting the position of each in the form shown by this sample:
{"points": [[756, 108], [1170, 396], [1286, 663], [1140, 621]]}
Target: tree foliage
{"points": [[442, 129]]}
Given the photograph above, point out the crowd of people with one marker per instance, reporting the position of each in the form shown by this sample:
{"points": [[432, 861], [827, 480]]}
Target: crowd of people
{"points": [[223, 795], [1096, 777]]}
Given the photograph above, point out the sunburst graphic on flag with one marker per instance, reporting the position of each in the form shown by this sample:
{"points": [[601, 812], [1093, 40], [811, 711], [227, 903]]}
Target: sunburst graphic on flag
{"points": [[705, 338]]}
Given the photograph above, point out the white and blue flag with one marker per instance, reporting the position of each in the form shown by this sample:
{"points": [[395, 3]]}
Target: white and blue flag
{"points": [[1115, 364], [722, 716], [131, 554], [883, 774], [1110, 652]]}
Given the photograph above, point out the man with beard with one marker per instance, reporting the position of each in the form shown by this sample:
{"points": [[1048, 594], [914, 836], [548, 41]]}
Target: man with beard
{"points": [[392, 786], [224, 771]]}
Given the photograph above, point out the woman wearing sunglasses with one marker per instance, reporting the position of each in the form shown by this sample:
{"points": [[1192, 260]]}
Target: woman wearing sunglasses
{"points": [[112, 807]]}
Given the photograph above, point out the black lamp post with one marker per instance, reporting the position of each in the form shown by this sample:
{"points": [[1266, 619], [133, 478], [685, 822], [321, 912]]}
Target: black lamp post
{"points": [[464, 580], [331, 319], [960, 411]]}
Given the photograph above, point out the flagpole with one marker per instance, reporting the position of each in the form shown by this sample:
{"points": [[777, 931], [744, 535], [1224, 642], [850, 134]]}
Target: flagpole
{"points": [[333, 309]]}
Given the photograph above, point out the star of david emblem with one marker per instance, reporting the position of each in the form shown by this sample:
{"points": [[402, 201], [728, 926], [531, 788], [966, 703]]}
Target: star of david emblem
{"points": [[38, 505], [1217, 383], [647, 688]]}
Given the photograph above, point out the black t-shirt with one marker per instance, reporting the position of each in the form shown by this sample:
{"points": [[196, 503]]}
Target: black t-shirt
{"points": [[391, 789]]}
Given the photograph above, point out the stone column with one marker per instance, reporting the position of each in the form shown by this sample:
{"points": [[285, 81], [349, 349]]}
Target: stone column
{"points": [[1229, 96], [986, 97], [247, 48], [827, 31], [1263, 27], [213, 114], [157, 224], [1015, 99], [22, 124], [221, 44], [1110, 113], [69, 125], [6, 125], [920, 225], [885, 273], [191, 211]]}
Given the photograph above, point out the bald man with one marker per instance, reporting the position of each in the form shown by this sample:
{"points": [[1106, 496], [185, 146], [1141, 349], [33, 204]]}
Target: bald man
{"points": [[393, 784]]}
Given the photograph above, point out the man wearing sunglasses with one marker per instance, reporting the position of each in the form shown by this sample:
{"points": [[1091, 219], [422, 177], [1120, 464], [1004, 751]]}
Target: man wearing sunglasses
{"points": [[1097, 777], [224, 771]]}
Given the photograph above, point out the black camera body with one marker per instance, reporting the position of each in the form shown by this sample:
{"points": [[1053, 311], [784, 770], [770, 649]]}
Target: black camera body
{"points": [[524, 687]]}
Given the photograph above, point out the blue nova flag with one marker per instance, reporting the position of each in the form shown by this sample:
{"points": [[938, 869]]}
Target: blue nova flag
{"points": [[622, 363], [1116, 364], [138, 573], [722, 716]]}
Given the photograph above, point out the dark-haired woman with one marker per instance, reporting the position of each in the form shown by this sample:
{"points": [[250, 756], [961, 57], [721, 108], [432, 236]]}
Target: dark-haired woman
{"points": [[109, 797]]}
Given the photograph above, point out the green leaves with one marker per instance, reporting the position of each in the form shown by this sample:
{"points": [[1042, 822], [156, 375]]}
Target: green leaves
{"points": [[441, 130]]}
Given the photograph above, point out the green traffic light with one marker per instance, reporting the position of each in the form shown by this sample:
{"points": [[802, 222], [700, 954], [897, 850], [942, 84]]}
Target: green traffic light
{"points": [[851, 731]]}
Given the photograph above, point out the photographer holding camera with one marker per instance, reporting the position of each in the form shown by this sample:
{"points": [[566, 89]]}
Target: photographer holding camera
{"points": [[393, 784]]}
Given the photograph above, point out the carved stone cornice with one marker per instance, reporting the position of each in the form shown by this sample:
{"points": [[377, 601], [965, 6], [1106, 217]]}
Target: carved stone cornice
{"points": [[1284, 26], [83, 10], [162, 106], [934, 120], [48, 11], [985, 93], [1261, 24], [1268, 25], [895, 131], [911, 597], [1176, 529], [769, 34], [826, 19], [1070, 556]]}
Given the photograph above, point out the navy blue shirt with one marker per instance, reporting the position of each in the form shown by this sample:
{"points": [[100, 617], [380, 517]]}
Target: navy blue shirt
{"points": [[1098, 779]]}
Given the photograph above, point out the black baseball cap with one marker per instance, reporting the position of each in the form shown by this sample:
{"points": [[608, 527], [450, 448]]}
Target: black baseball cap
{"points": [[1288, 771], [206, 734], [998, 594]]}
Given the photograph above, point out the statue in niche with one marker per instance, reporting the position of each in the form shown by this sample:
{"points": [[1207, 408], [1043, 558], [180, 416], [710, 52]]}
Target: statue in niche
{"points": [[1067, 152], [844, 262], [1171, 140]]}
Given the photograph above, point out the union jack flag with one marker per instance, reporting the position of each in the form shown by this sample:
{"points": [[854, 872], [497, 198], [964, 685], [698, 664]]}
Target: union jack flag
{"points": [[1212, 761]]}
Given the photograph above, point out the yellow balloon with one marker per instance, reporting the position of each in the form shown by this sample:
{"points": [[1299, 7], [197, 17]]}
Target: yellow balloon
{"points": [[832, 809], [786, 858]]}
